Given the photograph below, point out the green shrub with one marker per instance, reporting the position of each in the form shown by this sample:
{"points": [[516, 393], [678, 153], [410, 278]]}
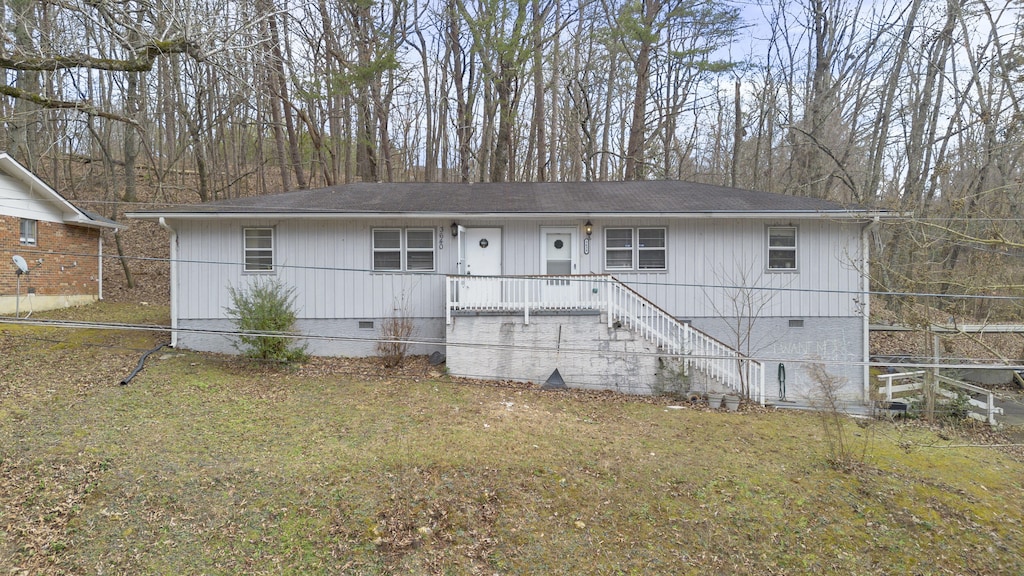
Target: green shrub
{"points": [[265, 314], [958, 408]]}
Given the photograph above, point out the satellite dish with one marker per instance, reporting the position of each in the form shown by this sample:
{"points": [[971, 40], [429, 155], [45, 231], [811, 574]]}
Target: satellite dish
{"points": [[21, 264]]}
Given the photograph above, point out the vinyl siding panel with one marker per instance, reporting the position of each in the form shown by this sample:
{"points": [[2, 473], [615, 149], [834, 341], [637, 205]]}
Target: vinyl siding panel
{"points": [[329, 263], [716, 265], [17, 201]]}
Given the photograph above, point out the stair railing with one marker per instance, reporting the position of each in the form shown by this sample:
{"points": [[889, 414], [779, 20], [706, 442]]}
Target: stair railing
{"points": [[629, 309]]}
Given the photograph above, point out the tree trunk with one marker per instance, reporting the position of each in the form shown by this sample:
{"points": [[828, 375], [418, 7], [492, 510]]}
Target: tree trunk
{"points": [[737, 136], [638, 124], [131, 145], [642, 68], [128, 279], [538, 92], [463, 96], [273, 101], [286, 106]]}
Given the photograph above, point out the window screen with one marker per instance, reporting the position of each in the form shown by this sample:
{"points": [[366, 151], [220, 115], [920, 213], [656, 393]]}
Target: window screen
{"points": [[419, 250], [635, 249], [782, 248], [618, 248], [387, 249], [651, 248], [259, 249]]}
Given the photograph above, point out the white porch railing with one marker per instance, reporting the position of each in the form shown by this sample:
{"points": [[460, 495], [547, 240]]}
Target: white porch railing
{"points": [[982, 408], [523, 294], [623, 306]]}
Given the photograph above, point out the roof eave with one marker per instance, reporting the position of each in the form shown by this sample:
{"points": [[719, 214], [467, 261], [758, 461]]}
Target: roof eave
{"points": [[90, 223], [71, 213], [326, 215]]}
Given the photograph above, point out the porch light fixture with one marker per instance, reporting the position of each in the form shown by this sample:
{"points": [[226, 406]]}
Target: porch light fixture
{"points": [[455, 229], [588, 228]]}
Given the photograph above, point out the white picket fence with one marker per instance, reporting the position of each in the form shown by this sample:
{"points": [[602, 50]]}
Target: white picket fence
{"points": [[981, 402], [623, 306]]}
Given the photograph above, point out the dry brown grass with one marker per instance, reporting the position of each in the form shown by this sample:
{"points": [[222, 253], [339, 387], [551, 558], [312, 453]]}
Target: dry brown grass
{"points": [[205, 464]]}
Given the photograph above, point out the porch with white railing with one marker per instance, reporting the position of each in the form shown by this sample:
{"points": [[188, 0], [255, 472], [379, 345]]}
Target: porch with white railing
{"points": [[622, 306]]}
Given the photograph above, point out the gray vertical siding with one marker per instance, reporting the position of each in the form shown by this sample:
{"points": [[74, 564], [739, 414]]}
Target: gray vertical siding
{"points": [[328, 262], [706, 258]]}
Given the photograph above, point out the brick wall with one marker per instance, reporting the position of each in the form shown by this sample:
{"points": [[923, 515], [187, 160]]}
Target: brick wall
{"points": [[69, 267]]}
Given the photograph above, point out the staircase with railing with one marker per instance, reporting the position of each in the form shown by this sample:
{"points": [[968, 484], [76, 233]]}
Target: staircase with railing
{"points": [[622, 307]]}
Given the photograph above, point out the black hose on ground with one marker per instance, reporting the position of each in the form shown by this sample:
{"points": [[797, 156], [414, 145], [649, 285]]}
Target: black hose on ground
{"points": [[142, 361]]}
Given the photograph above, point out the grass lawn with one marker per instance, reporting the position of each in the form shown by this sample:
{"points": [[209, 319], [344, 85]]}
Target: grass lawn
{"points": [[205, 465]]}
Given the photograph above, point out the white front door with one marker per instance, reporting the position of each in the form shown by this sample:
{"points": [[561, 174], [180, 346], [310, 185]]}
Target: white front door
{"points": [[480, 250], [558, 257]]}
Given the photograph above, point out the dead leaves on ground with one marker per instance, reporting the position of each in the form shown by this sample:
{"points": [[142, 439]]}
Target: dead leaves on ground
{"points": [[430, 518], [39, 500]]}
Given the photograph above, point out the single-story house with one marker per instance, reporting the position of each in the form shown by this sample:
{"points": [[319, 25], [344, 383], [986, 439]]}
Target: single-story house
{"points": [[634, 286], [59, 245]]}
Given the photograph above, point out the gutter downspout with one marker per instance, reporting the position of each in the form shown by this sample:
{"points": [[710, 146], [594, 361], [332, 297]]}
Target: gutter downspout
{"points": [[174, 282], [865, 247], [99, 272]]}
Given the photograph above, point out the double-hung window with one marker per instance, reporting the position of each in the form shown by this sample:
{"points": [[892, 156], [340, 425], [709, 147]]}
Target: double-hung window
{"points": [[387, 249], [419, 250], [397, 249], [29, 232], [618, 248], [258, 248], [782, 248], [635, 249]]}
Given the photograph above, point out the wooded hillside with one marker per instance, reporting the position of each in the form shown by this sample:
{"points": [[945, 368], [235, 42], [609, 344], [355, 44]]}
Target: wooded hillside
{"points": [[913, 106]]}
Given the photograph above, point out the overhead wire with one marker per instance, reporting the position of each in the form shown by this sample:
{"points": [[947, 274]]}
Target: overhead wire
{"points": [[77, 343], [35, 251], [951, 363], [489, 379], [440, 341]]}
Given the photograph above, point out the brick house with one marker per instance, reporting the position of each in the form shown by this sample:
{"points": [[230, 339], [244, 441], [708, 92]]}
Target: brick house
{"points": [[61, 243]]}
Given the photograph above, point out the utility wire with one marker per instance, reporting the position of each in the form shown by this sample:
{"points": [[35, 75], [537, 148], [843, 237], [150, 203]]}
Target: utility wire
{"points": [[764, 359], [34, 252]]}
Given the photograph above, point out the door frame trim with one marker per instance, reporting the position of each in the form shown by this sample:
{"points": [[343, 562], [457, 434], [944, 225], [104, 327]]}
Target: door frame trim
{"points": [[463, 251], [574, 233]]}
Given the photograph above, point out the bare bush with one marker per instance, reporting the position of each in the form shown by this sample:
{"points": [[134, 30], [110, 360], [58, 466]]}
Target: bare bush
{"points": [[395, 333], [844, 453]]}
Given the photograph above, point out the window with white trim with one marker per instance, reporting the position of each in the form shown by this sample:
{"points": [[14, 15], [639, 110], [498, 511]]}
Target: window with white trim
{"points": [[29, 232], [419, 250], [387, 249], [395, 249], [782, 248], [635, 249], [258, 246]]}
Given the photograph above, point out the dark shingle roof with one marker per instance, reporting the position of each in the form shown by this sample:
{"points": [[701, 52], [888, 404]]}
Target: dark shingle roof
{"points": [[102, 219], [638, 197]]}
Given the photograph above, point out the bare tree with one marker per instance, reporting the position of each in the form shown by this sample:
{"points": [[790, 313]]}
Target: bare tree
{"points": [[742, 298]]}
